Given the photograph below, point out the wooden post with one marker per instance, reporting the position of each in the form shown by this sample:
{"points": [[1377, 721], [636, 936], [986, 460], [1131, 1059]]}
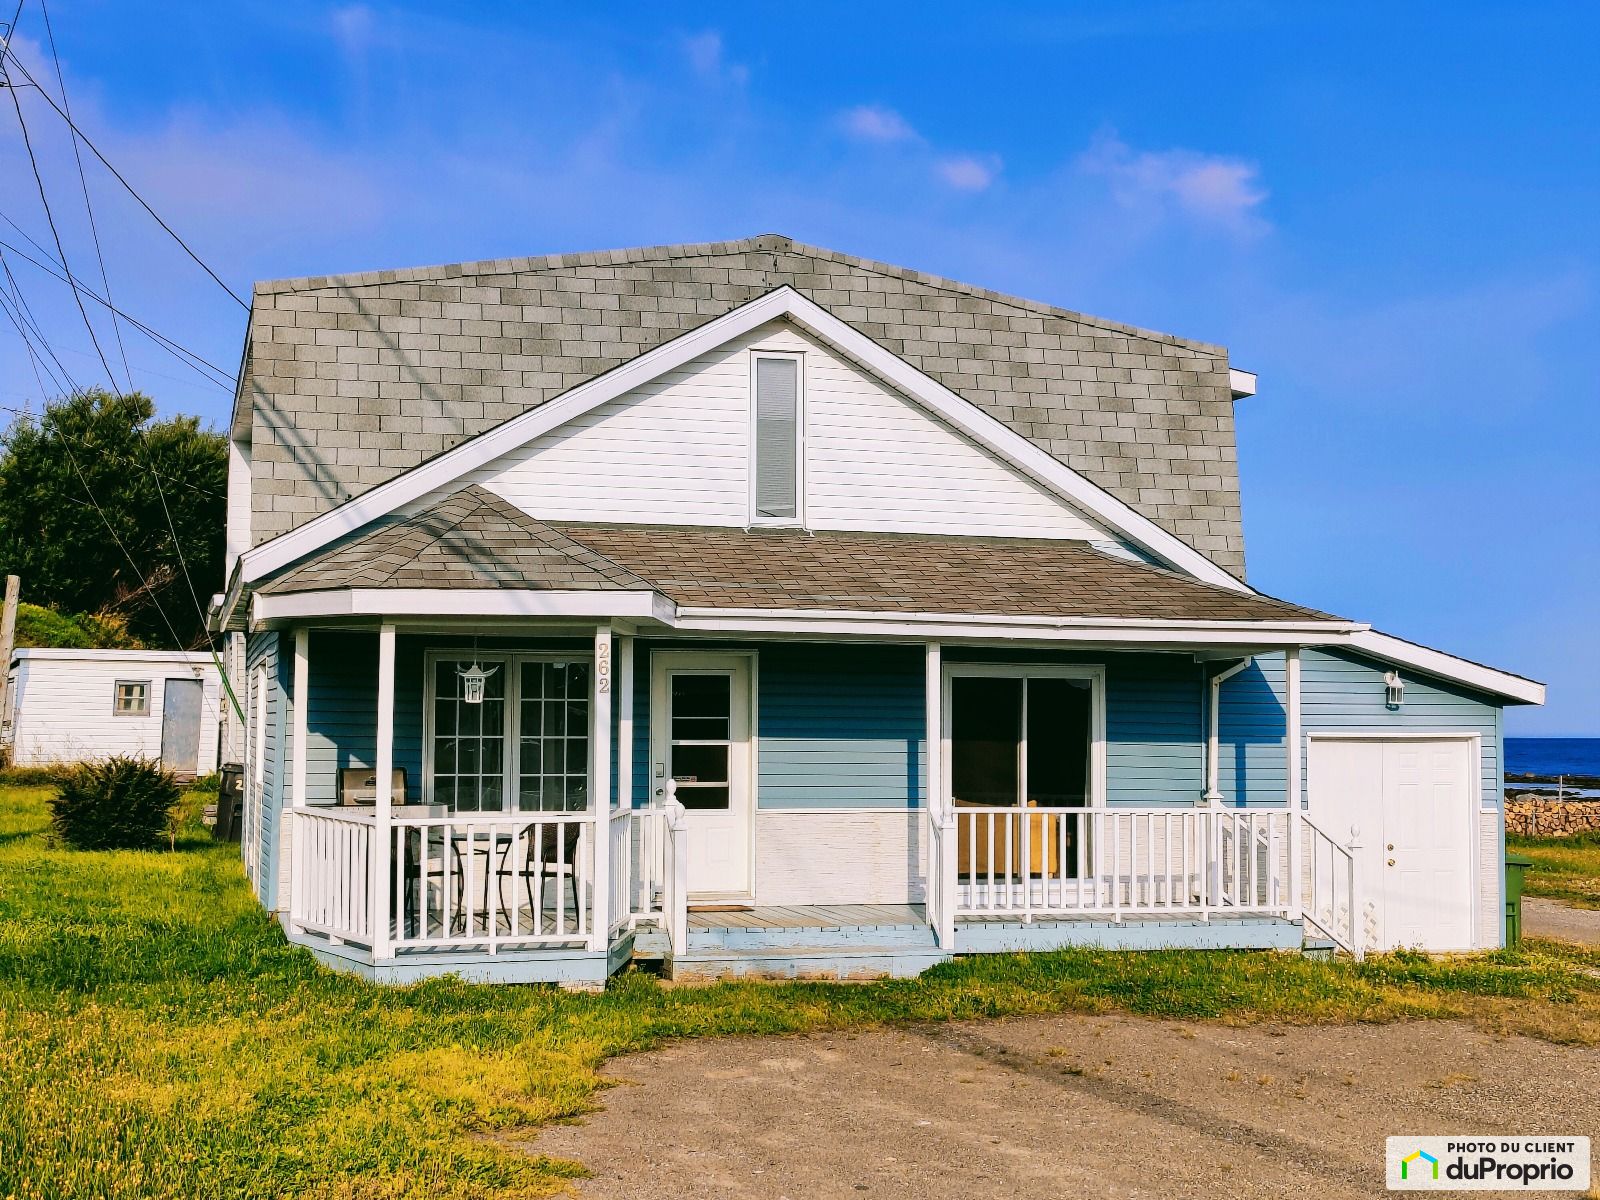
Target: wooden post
{"points": [[383, 814], [940, 904], [298, 704], [8, 638], [624, 752], [1358, 940], [600, 794], [1292, 787]]}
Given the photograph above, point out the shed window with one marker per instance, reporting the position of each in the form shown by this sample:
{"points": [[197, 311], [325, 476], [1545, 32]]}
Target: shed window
{"points": [[777, 439], [131, 698]]}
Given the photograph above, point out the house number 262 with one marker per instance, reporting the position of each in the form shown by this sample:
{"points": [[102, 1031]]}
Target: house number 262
{"points": [[602, 667]]}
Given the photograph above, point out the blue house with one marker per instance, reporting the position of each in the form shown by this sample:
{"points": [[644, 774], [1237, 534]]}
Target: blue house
{"points": [[763, 609]]}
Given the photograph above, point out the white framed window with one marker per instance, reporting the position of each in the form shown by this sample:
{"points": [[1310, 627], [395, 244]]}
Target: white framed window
{"points": [[777, 438], [131, 698], [524, 747]]}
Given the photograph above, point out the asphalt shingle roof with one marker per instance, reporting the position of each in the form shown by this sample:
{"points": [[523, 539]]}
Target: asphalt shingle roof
{"points": [[473, 539]]}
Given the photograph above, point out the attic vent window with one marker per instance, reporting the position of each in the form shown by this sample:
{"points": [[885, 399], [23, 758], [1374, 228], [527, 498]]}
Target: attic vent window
{"points": [[775, 498]]}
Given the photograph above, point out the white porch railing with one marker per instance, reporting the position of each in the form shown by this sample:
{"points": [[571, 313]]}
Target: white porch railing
{"points": [[492, 880], [1043, 862], [639, 866], [330, 869], [472, 880], [1332, 893]]}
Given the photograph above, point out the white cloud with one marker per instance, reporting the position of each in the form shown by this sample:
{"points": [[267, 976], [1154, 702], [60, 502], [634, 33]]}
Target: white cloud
{"points": [[353, 27], [968, 173], [708, 56], [1211, 188], [875, 123]]}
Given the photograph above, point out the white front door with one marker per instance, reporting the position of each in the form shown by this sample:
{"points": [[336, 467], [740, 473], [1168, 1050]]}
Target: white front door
{"points": [[700, 739], [1413, 802]]}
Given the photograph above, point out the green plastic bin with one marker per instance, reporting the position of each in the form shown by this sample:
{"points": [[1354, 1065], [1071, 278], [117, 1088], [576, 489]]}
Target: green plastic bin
{"points": [[1516, 864]]}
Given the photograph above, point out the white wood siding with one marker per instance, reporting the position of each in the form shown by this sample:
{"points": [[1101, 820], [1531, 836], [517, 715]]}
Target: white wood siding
{"points": [[63, 709], [869, 857], [677, 452], [1491, 881]]}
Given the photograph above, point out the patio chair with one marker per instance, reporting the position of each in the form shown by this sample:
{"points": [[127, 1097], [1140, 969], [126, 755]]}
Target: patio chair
{"points": [[540, 863]]}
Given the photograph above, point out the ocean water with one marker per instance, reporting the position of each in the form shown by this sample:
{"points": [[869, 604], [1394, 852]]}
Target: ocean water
{"points": [[1553, 756]]}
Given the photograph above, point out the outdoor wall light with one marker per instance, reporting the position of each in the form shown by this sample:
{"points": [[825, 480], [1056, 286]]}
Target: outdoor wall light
{"points": [[1394, 690], [472, 681]]}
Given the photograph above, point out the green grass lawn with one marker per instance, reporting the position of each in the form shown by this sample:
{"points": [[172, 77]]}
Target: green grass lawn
{"points": [[1565, 869], [158, 1036]]}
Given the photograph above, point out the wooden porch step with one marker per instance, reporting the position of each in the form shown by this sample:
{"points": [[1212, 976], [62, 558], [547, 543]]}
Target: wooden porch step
{"points": [[806, 962], [908, 937]]}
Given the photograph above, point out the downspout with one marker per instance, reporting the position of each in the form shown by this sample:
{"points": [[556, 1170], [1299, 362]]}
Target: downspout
{"points": [[1213, 794]]}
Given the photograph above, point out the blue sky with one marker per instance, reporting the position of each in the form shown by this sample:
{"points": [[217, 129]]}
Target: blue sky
{"points": [[1391, 213]]}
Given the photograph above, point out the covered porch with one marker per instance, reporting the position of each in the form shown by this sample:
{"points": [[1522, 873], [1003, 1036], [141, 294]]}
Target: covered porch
{"points": [[509, 805], [526, 751]]}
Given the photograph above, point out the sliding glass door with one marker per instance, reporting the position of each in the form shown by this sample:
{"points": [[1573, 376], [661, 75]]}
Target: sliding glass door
{"points": [[1022, 738]]}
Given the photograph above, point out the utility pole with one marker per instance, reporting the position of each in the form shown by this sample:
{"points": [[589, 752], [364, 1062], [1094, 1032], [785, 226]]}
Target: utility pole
{"points": [[8, 637]]}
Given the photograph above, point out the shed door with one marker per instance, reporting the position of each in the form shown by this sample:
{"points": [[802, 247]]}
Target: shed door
{"points": [[180, 726], [1413, 800]]}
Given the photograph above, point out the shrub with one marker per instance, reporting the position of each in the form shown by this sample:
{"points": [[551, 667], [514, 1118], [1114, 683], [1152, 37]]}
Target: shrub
{"points": [[29, 776], [115, 804]]}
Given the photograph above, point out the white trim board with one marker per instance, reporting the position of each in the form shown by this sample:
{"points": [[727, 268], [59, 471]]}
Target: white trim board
{"points": [[1447, 666], [960, 414]]}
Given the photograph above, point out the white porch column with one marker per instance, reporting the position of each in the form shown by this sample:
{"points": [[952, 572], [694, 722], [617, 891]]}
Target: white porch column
{"points": [[299, 703], [624, 797], [383, 815], [600, 794], [933, 699], [1292, 789]]}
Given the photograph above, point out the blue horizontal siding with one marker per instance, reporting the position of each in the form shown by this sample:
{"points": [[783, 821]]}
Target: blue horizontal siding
{"points": [[262, 650], [840, 727], [342, 717], [1344, 692], [1155, 751]]}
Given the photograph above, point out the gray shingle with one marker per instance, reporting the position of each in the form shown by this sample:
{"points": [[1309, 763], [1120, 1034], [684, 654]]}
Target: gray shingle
{"points": [[1064, 380]]}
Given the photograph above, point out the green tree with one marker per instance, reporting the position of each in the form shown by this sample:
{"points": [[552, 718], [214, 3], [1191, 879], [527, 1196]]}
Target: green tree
{"points": [[79, 499]]}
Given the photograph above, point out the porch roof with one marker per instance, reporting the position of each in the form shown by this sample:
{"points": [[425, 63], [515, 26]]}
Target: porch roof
{"points": [[473, 539]]}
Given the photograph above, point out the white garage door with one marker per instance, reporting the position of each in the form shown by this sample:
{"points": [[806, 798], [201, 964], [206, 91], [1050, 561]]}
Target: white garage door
{"points": [[1413, 801]]}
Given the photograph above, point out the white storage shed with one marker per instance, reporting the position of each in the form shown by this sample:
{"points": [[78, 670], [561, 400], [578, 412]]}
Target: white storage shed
{"points": [[70, 705]]}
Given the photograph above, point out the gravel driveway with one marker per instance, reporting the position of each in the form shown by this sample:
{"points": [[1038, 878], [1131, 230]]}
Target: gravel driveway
{"points": [[1070, 1105], [1552, 919]]}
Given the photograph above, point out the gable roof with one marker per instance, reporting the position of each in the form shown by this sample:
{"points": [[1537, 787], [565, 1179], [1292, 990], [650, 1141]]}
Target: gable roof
{"points": [[350, 379], [443, 470]]}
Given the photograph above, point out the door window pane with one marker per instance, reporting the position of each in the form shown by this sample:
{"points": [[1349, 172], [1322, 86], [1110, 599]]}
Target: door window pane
{"points": [[1058, 742], [985, 736], [700, 764], [703, 798], [701, 705]]}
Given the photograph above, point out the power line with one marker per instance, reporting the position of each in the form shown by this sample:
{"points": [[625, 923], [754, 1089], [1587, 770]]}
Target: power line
{"points": [[83, 183], [61, 253], [179, 351], [21, 66]]}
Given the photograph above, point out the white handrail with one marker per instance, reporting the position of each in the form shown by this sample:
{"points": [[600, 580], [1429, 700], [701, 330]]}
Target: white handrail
{"points": [[1333, 899]]}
